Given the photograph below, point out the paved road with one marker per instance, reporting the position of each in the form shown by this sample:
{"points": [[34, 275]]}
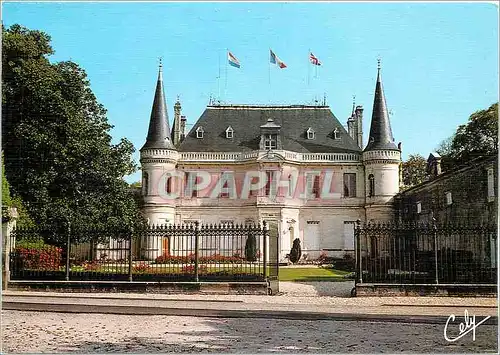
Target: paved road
{"points": [[38, 332]]}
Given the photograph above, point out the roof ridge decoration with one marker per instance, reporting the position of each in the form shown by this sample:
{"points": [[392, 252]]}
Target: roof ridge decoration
{"points": [[380, 130], [159, 128]]}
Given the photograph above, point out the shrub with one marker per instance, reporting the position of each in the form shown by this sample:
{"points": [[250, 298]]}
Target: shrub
{"points": [[141, 268], [251, 248], [296, 251], [217, 258], [189, 269], [39, 256], [175, 259]]}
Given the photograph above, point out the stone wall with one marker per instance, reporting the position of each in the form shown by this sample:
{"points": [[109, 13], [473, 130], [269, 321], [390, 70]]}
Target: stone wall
{"points": [[467, 194]]}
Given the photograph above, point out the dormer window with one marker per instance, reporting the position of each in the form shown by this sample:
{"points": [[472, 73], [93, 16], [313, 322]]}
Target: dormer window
{"points": [[199, 132], [229, 132], [310, 133], [336, 133], [270, 141]]}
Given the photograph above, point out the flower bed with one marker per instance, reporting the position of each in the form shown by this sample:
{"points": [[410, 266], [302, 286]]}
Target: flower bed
{"points": [[190, 259], [38, 257]]}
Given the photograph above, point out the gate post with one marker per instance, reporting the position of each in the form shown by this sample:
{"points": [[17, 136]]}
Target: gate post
{"points": [[196, 250], [359, 266], [264, 237], [9, 216], [434, 229], [130, 254], [68, 249]]}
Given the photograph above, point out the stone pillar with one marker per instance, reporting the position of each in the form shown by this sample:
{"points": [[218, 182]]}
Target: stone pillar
{"points": [[9, 217]]}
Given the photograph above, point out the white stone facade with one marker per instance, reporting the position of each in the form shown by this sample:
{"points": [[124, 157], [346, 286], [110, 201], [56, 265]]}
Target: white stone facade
{"points": [[322, 224]]}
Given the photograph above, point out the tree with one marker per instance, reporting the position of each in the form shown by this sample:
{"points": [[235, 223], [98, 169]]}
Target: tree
{"points": [[251, 248], [296, 251], [59, 158], [414, 170], [478, 137], [6, 200]]}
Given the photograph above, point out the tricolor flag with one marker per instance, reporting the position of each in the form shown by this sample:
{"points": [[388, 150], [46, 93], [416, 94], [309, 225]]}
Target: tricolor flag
{"points": [[275, 60], [314, 60], [232, 60]]}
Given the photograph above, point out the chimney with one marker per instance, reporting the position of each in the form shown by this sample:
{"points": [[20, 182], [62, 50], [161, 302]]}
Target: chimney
{"points": [[176, 131], [183, 128], [359, 115]]}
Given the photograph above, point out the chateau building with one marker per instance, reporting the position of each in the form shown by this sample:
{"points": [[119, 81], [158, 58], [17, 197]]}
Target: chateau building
{"points": [[296, 165]]}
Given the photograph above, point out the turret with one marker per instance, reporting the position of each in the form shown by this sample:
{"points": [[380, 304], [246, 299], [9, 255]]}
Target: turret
{"points": [[381, 158], [158, 161]]}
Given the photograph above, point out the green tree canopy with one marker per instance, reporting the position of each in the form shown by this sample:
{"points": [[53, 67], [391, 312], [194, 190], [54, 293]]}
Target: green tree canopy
{"points": [[414, 170], [478, 137], [59, 155], [6, 199]]}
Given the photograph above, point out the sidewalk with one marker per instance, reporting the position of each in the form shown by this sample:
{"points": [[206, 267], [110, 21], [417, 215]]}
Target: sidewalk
{"points": [[396, 309]]}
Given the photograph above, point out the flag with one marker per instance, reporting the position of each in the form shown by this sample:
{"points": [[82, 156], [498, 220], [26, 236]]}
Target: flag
{"points": [[314, 60], [275, 60], [232, 60]]}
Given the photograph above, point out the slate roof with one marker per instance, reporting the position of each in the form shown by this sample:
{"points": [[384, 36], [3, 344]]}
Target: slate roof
{"points": [[380, 130], [159, 130], [246, 121]]}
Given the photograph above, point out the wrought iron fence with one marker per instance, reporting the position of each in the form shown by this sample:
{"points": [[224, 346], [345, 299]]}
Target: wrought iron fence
{"points": [[193, 252], [426, 254]]}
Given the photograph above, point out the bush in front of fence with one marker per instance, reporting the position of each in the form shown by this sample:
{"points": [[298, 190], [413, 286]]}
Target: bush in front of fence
{"points": [[39, 257], [190, 259]]}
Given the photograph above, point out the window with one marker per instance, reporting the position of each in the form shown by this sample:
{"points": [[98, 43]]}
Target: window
{"points": [[270, 141], [229, 132], [253, 182], [192, 181], [224, 194], [145, 184], [419, 207], [336, 133], [315, 189], [448, 198], [371, 185], [199, 132], [168, 185], [491, 185], [290, 185], [310, 133], [269, 175], [350, 185]]}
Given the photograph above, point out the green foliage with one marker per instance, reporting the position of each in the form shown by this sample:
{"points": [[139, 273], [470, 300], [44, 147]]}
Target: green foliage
{"points": [[6, 200], [478, 137], [414, 170], [59, 158], [296, 251], [251, 248]]}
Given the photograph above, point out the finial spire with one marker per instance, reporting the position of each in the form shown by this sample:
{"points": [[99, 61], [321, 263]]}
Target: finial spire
{"points": [[353, 103], [160, 69]]}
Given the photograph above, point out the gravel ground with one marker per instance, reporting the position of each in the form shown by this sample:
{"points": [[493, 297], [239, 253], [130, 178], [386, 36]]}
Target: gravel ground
{"points": [[37, 332]]}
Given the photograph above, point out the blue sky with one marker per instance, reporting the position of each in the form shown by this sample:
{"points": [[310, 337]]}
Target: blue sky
{"points": [[439, 60]]}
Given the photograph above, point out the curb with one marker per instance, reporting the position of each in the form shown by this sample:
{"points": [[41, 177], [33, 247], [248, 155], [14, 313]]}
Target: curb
{"points": [[225, 313]]}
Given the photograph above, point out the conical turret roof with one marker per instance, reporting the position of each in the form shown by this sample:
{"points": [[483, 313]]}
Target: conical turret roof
{"points": [[159, 128], [380, 130]]}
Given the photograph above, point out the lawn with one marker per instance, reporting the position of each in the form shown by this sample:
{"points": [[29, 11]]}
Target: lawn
{"points": [[311, 274]]}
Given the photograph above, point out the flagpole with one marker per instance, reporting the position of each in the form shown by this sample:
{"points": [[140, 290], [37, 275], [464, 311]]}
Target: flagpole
{"points": [[308, 70], [225, 86], [269, 66], [218, 81]]}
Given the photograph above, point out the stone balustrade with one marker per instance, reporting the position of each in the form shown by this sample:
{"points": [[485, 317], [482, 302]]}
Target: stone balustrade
{"points": [[288, 155]]}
